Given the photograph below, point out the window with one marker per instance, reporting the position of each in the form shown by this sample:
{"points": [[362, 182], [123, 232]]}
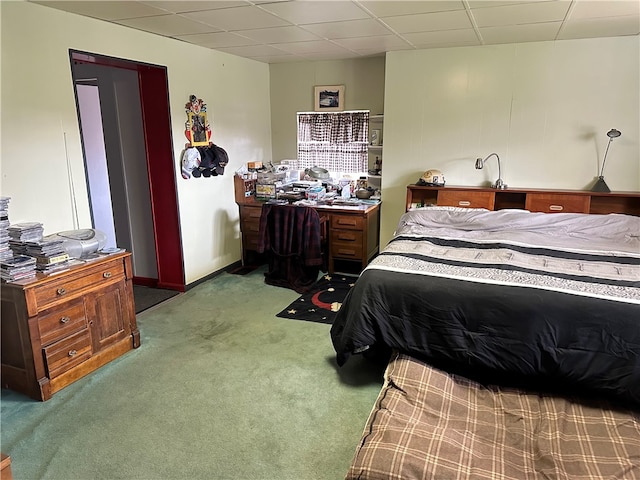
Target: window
{"points": [[336, 141]]}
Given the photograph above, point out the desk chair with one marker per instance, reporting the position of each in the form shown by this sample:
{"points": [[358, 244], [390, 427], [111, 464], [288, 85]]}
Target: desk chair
{"points": [[294, 239]]}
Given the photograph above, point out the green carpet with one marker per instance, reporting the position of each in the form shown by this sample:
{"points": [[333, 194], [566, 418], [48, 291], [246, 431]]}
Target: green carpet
{"points": [[220, 388]]}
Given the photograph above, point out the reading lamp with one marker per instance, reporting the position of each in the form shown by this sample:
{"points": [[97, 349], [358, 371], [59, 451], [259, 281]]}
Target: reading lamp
{"points": [[499, 183], [601, 185]]}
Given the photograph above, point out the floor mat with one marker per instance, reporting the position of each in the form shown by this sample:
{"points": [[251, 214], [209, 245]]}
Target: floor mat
{"points": [[147, 297], [322, 302]]}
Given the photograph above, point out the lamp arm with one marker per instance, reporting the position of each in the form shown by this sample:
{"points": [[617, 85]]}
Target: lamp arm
{"points": [[605, 157], [499, 168]]}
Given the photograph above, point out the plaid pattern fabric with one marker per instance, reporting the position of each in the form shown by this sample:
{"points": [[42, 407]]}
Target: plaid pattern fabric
{"points": [[336, 141], [427, 424]]}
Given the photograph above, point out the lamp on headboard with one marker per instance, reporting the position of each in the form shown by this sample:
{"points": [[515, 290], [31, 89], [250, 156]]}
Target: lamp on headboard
{"points": [[499, 182], [601, 185]]}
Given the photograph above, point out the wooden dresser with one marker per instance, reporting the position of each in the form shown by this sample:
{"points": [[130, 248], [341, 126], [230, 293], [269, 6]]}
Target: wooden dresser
{"points": [[59, 328], [354, 231], [535, 200]]}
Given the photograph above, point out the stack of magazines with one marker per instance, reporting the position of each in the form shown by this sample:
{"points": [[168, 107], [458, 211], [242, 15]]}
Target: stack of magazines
{"points": [[50, 255], [5, 251], [20, 267]]}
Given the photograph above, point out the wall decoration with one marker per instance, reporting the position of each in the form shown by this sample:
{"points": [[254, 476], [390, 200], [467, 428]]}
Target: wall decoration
{"points": [[329, 98], [197, 128]]}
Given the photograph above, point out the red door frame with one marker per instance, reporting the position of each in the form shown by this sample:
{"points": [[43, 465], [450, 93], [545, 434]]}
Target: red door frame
{"points": [[156, 121]]}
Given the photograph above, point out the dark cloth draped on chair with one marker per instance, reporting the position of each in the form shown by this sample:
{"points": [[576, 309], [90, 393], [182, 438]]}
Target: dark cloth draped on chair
{"points": [[291, 237]]}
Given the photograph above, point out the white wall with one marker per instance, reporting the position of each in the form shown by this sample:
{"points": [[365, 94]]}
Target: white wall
{"points": [[544, 107], [38, 113]]}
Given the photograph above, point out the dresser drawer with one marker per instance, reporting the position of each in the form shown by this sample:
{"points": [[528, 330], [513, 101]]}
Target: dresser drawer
{"points": [[347, 251], [66, 354], [466, 199], [349, 222], [250, 226], [346, 236], [72, 285], [556, 203], [57, 323]]}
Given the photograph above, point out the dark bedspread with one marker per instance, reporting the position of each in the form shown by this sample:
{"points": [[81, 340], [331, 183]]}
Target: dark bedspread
{"points": [[522, 297]]}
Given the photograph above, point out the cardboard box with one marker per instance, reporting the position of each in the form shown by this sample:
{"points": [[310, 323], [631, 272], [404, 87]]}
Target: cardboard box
{"points": [[254, 165], [265, 191]]}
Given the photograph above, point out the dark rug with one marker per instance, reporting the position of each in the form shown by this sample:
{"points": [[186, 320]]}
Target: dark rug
{"points": [[322, 302], [147, 297]]}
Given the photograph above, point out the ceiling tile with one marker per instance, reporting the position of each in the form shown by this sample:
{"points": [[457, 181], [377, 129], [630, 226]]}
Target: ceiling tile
{"points": [[444, 37], [351, 28], [237, 18], [380, 43], [601, 27], [218, 39], [534, 32], [178, 6], [429, 22], [520, 14], [497, 3], [168, 25], [306, 12], [610, 8], [111, 10], [280, 35], [316, 46], [390, 8], [253, 51]]}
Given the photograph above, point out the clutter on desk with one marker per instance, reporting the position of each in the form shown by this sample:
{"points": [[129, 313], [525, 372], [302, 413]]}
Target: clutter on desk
{"points": [[285, 183]]}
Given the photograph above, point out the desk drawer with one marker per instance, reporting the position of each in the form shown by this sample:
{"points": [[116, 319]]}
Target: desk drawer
{"points": [[57, 323], [72, 285], [66, 354], [350, 222], [250, 241], [251, 213], [250, 226], [466, 199], [346, 244], [556, 203]]}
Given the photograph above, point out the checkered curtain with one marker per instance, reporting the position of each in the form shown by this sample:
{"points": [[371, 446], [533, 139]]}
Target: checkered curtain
{"points": [[336, 141]]}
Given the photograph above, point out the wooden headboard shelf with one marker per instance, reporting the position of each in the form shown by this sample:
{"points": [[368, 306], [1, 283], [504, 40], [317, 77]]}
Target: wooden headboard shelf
{"points": [[535, 200]]}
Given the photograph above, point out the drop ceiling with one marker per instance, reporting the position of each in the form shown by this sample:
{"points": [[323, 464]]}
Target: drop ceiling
{"points": [[300, 30]]}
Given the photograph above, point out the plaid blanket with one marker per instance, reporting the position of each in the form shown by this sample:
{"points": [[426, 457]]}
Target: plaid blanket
{"points": [[427, 424]]}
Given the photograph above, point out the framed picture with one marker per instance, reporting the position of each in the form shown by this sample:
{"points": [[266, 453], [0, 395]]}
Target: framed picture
{"points": [[197, 126], [329, 98]]}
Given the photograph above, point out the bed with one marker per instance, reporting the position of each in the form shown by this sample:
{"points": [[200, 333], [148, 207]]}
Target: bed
{"points": [[429, 424], [515, 346]]}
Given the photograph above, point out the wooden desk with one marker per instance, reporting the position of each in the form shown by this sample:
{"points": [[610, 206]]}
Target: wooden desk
{"points": [[5, 467], [59, 328], [354, 231], [535, 200]]}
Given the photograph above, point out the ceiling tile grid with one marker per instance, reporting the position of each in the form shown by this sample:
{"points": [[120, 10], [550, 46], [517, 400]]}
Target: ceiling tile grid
{"points": [[274, 31]]}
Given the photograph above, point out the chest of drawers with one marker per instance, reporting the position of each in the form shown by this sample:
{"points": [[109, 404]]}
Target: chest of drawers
{"points": [[59, 328]]}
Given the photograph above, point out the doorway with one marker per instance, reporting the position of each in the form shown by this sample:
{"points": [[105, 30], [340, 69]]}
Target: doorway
{"points": [[123, 111]]}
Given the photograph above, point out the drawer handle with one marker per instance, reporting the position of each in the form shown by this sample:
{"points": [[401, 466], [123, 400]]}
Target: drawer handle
{"points": [[349, 238], [464, 203], [61, 291], [106, 274], [556, 208], [72, 353], [351, 223], [64, 320]]}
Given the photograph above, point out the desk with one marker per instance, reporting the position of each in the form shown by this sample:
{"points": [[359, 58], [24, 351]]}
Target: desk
{"points": [[354, 231]]}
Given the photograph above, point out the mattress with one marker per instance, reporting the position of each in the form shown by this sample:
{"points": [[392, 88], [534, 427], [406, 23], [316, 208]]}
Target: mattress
{"points": [[429, 424], [545, 297]]}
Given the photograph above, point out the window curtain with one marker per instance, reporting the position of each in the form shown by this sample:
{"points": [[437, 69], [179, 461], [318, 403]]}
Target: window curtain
{"points": [[336, 141]]}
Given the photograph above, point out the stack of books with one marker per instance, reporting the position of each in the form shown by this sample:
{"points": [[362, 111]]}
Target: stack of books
{"points": [[5, 251], [20, 267], [50, 255]]}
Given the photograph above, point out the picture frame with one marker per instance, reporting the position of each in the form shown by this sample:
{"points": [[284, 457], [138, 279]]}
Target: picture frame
{"points": [[197, 126], [328, 98]]}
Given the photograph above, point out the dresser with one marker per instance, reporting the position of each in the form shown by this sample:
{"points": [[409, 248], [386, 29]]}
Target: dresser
{"points": [[535, 200], [58, 328], [353, 231]]}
